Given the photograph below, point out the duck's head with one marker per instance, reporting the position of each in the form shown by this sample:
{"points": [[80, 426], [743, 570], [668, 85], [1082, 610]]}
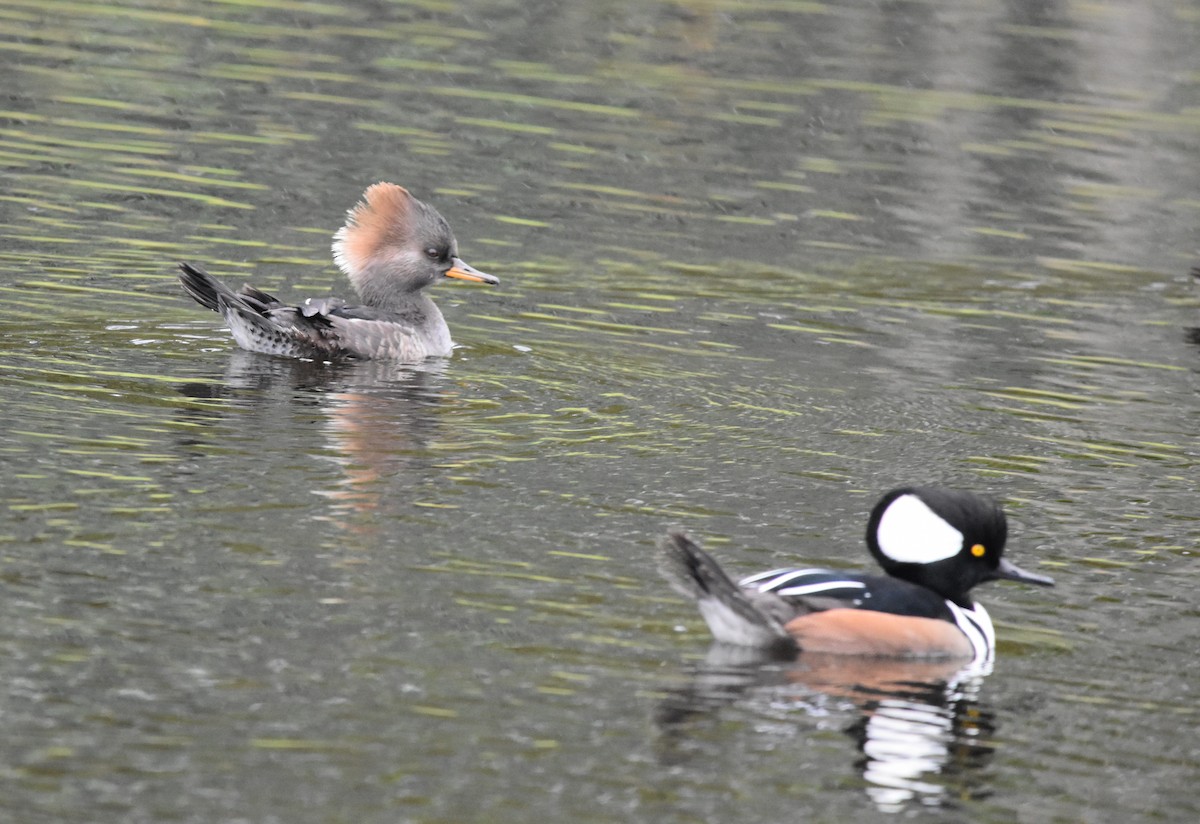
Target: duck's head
{"points": [[394, 245], [943, 539]]}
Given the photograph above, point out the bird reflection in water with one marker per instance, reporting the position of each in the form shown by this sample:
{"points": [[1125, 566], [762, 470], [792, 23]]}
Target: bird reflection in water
{"points": [[376, 420], [923, 735], [379, 427]]}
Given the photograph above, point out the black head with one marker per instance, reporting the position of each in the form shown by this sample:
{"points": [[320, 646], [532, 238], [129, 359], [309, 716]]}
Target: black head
{"points": [[943, 539]]}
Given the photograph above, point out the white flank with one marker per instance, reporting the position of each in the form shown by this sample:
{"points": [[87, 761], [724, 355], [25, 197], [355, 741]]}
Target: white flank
{"points": [[910, 532]]}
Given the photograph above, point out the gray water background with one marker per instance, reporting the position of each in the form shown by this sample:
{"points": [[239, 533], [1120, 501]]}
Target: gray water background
{"points": [[760, 262]]}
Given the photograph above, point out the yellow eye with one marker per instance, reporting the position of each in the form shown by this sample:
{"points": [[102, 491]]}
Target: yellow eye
{"points": [[978, 550]]}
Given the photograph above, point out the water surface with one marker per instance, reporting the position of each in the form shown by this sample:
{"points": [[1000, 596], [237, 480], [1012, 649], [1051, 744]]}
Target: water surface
{"points": [[760, 262]]}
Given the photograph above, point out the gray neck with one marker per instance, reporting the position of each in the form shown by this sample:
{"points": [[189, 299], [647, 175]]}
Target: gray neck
{"points": [[416, 311], [413, 309], [429, 323]]}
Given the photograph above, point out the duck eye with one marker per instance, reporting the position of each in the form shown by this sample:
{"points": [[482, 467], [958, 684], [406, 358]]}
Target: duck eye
{"points": [[978, 550], [433, 254]]}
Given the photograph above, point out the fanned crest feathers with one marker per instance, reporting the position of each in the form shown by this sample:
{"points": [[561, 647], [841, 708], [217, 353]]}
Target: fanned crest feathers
{"points": [[383, 219]]}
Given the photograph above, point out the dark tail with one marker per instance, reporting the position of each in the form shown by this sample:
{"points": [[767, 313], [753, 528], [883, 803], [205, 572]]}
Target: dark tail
{"points": [[730, 613], [205, 288], [690, 570]]}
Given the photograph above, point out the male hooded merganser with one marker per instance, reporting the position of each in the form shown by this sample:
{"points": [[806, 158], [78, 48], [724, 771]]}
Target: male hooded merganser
{"points": [[391, 248], [934, 544]]}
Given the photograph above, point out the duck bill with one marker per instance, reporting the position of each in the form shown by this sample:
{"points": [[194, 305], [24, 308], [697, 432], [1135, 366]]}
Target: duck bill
{"points": [[465, 271], [1011, 572]]}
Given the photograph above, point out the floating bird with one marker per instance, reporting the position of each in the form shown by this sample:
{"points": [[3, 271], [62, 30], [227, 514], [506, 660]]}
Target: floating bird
{"points": [[934, 544], [391, 248]]}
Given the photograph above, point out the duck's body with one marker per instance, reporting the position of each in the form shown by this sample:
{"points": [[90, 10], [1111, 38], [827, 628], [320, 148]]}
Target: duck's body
{"points": [[391, 248], [935, 545], [321, 328]]}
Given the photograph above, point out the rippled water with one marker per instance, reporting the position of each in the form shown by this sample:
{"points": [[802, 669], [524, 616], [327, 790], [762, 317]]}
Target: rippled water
{"points": [[760, 262]]}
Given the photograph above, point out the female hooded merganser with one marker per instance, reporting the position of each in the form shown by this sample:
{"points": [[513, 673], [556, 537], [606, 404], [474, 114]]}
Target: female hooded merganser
{"points": [[934, 544], [391, 248]]}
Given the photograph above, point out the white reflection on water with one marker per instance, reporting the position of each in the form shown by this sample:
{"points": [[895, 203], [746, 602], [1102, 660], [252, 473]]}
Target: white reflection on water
{"points": [[922, 732], [906, 742]]}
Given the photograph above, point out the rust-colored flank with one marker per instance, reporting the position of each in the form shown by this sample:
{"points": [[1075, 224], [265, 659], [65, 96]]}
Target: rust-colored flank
{"points": [[879, 634]]}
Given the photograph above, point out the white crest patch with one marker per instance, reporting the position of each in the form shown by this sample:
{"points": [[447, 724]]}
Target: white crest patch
{"points": [[910, 532]]}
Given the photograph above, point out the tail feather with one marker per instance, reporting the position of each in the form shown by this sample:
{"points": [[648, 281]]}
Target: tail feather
{"points": [[258, 300], [689, 570], [233, 307], [261, 323], [732, 616], [203, 287]]}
